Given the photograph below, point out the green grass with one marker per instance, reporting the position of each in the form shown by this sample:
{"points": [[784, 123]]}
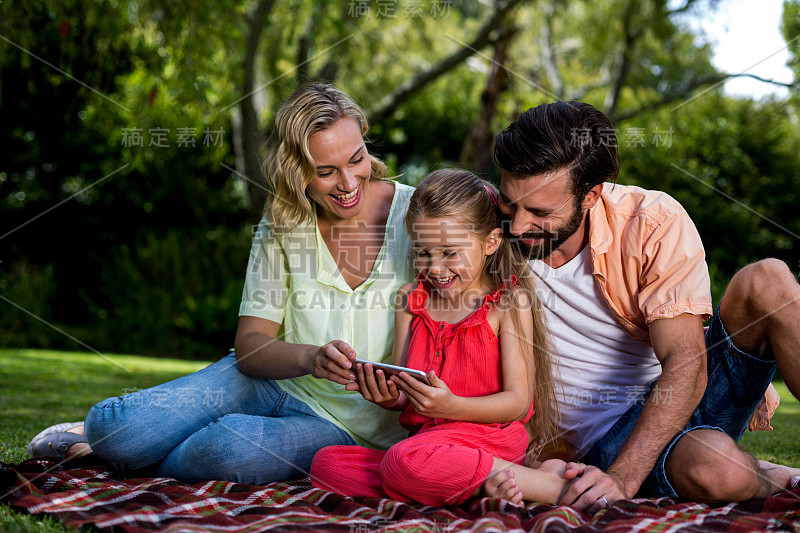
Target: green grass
{"points": [[41, 388], [780, 445]]}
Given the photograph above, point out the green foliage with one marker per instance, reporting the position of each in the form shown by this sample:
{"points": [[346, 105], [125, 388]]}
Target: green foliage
{"points": [[31, 289], [73, 187], [175, 293], [435, 143], [82, 206], [733, 164], [790, 26]]}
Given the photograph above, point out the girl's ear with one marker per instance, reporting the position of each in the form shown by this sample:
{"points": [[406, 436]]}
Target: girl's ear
{"points": [[493, 241]]}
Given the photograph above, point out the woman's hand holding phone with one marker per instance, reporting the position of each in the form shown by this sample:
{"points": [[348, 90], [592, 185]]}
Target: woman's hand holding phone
{"points": [[375, 388], [333, 361]]}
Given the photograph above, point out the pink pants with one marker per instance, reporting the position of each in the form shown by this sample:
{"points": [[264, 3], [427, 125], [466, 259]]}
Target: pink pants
{"points": [[440, 465]]}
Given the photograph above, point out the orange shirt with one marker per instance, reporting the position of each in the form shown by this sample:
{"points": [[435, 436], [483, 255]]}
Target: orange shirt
{"points": [[648, 260]]}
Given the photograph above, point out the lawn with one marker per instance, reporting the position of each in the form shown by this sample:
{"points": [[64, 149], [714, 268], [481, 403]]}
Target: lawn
{"points": [[40, 388]]}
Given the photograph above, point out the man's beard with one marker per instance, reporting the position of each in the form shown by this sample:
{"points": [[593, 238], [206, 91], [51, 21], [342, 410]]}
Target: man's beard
{"points": [[552, 240]]}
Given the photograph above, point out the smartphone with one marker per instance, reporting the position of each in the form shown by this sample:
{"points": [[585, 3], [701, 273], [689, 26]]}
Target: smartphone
{"points": [[393, 370]]}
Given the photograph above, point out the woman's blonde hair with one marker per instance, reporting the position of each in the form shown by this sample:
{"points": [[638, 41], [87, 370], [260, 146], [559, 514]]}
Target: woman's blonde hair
{"points": [[472, 202], [289, 167]]}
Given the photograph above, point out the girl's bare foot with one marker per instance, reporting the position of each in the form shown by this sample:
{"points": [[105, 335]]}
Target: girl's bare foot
{"points": [[545, 483], [556, 466], [503, 485]]}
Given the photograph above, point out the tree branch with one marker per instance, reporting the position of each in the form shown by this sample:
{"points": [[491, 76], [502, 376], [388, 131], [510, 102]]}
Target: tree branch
{"points": [[795, 85], [581, 93], [477, 148], [624, 58], [306, 43], [683, 92], [685, 7], [689, 88], [406, 90], [303, 49], [255, 27]]}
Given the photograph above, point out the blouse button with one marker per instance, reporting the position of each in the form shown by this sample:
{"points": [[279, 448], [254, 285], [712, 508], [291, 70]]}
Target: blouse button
{"points": [[441, 326], [436, 354]]}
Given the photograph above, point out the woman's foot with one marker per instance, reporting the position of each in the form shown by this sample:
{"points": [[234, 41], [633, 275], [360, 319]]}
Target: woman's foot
{"points": [[65, 441]]}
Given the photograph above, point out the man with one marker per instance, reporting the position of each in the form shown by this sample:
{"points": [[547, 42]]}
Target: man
{"points": [[650, 401]]}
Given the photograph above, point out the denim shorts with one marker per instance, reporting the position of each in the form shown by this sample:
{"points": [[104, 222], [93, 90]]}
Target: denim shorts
{"points": [[736, 383]]}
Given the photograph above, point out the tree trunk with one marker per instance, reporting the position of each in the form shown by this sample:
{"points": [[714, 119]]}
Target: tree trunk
{"points": [[476, 152], [246, 140]]}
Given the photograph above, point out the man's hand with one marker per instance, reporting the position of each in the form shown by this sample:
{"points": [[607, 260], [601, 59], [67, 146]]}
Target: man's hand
{"points": [[679, 345], [586, 493]]}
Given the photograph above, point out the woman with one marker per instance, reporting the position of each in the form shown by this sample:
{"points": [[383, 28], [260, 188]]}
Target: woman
{"points": [[326, 261]]}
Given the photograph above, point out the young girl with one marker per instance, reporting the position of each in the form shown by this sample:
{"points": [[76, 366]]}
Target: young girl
{"points": [[472, 322]]}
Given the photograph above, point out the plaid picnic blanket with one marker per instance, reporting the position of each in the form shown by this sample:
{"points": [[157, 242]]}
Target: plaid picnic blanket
{"points": [[108, 500]]}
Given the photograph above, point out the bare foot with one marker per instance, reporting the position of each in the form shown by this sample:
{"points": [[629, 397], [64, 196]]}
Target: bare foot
{"points": [[503, 485], [778, 476], [543, 484], [556, 466]]}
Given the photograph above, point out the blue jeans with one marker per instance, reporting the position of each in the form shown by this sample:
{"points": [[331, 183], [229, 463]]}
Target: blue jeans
{"points": [[736, 383], [217, 423]]}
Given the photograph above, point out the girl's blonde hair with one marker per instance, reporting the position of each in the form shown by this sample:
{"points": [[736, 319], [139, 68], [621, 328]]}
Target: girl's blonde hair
{"points": [[289, 167], [472, 202]]}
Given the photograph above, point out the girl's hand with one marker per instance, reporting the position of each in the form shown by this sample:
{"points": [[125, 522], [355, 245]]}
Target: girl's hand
{"points": [[435, 401], [333, 361], [374, 387]]}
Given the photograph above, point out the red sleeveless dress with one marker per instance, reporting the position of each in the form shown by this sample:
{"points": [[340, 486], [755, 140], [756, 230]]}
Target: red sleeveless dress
{"points": [[465, 355], [443, 462]]}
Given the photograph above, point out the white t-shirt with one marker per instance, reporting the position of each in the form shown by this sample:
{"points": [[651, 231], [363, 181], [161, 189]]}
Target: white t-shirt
{"points": [[603, 371]]}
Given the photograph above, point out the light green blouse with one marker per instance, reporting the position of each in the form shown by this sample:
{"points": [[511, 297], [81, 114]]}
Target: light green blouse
{"points": [[292, 279]]}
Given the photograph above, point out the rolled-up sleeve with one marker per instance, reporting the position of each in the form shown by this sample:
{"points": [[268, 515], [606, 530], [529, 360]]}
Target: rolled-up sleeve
{"points": [[266, 285]]}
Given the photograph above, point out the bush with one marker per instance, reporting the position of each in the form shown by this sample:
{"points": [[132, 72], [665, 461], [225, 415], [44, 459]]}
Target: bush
{"points": [[176, 293], [27, 291]]}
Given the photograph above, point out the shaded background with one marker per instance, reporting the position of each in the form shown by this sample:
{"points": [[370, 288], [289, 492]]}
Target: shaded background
{"points": [[132, 134]]}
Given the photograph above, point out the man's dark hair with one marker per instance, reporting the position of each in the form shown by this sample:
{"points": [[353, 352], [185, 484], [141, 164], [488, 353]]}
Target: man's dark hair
{"points": [[560, 135]]}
